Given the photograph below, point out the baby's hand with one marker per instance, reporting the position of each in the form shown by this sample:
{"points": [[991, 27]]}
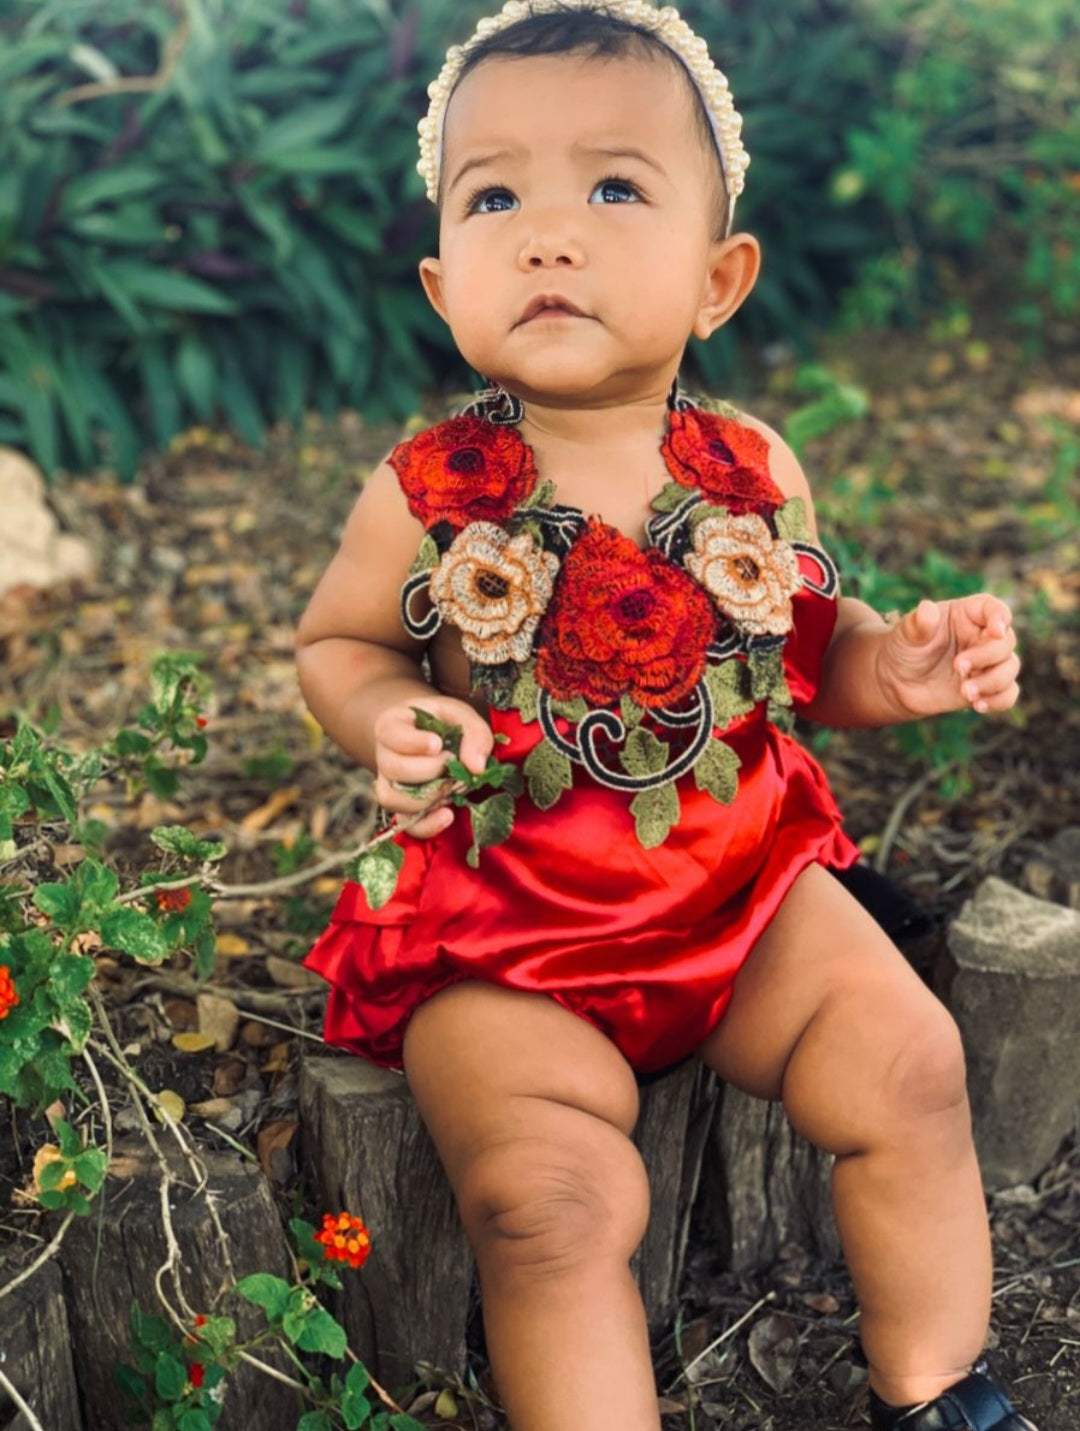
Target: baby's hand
{"points": [[947, 655], [406, 755]]}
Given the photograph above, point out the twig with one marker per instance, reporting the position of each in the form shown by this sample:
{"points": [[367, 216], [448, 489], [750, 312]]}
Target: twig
{"points": [[253, 1001], [724, 1336], [39, 1261], [900, 809], [32, 1422]]}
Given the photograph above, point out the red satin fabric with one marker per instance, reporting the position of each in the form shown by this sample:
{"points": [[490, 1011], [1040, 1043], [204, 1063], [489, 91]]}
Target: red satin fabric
{"points": [[644, 944]]}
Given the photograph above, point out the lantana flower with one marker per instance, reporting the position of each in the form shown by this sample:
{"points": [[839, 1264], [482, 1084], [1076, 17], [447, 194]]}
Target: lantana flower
{"points": [[172, 901], [749, 573], [344, 1238], [9, 995], [494, 588]]}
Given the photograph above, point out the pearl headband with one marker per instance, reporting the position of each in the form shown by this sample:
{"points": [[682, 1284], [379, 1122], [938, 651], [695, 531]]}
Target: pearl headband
{"points": [[666, 25]]}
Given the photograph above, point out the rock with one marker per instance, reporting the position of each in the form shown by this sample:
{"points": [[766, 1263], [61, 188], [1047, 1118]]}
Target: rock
{"points": [[1011, 978], [1055, 872], [33, 552]]}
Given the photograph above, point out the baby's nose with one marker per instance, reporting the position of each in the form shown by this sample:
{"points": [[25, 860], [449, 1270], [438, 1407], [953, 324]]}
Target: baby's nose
{"points": [[550, 248]]}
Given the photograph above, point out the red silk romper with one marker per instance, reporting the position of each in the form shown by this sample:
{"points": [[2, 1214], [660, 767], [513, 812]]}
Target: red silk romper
{"points": [[665, 811]]}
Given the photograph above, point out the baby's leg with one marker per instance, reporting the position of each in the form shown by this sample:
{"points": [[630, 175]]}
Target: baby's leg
{"points": [[827, 1014], [531, 1110]]}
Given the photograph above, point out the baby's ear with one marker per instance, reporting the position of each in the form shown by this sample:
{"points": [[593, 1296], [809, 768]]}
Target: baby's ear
{"points": [[431, 277], [732, 272]]}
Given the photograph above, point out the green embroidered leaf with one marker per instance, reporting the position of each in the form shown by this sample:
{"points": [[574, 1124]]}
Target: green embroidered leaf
{"points": [[780, 714], [766, 671], [703, 510], [451, 734], [427, 558], [549, 773], [542, 495], [531, 528], [377, 872], [654, 812], [527, 694], [791, 522], [670, 496], [632, 714], [644, 754], [717, 771], [492, 823], [717, 405], [574, 710], [726, 683]]}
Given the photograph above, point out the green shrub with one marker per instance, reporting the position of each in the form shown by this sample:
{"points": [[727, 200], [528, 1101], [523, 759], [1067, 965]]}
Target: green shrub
{"points": [[210, 211]]}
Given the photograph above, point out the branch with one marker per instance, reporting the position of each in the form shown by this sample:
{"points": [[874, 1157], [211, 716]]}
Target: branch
{"points": [[135, 84]]}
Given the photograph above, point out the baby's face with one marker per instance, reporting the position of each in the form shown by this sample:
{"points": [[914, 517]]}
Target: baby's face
{"points": [[583, 185]]}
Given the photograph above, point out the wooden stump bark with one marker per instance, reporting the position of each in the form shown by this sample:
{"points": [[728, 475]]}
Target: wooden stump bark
{"points": [[762, 1186], [366, 1149], [35, 1352], [111, 1260]]}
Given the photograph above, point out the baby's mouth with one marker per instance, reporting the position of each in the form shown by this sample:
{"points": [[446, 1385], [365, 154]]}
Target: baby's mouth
{"points": [[550, 305]]}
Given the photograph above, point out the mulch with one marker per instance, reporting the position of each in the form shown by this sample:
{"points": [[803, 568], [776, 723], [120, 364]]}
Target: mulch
{"points": [[215, 549]]}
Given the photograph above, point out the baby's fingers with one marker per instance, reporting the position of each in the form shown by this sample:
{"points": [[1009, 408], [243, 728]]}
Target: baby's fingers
{"points": [[994, 689]]}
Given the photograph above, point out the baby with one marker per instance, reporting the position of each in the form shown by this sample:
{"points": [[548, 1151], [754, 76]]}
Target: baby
{"points": [[623, 600]]}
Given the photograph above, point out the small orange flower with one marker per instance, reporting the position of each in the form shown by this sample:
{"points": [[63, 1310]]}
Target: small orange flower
{"points": [[344, 1238], [9, 995], [173, 901], [201, 722], [199, 1321], [196, 1374]]}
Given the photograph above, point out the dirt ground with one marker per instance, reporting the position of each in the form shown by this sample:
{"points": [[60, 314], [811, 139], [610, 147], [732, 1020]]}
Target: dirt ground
{"points": [[216, 548]]}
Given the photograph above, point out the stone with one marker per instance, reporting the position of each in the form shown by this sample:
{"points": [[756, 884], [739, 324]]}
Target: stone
{"points": [[1011, 978], [33, 551]]}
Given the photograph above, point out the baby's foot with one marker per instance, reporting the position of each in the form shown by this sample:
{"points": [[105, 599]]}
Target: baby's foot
{"points": [[977, 1403]]}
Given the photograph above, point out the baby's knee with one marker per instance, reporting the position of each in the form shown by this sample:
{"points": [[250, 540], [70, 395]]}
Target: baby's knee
{"points": [[926, 1073], [546, 1206]]}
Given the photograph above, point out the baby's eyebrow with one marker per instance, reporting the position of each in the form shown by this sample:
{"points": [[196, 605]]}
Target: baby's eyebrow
{"points": [[622, 151], [479, 161]]}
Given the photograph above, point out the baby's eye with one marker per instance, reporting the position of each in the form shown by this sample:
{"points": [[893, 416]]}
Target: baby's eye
{"points": [[615, 191], [491, 201]]}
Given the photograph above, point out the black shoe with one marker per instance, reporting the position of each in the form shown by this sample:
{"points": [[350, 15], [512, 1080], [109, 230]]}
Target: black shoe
{"points": [[977, 1403]]}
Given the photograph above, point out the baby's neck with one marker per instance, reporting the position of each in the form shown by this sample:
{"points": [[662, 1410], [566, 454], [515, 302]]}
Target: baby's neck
{"points": [[627, 428]]}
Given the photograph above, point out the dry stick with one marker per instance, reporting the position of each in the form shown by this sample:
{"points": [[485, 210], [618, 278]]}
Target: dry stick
{"points": [[20, 1405], [900, 809], [135, 84], [299, 877], [724, 1336], [39, 1261]]}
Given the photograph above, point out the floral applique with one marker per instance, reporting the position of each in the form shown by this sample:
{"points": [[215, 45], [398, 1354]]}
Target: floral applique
{"points": [[634, 662]]}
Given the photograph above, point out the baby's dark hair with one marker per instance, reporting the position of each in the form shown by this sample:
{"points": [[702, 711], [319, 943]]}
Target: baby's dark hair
{"points": [[600, 35]]}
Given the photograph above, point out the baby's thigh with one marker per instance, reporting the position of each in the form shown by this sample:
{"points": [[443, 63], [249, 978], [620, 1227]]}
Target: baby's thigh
{"points": [[826, 997], [531, 1109]]}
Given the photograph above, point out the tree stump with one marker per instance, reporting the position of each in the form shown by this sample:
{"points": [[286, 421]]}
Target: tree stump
{"points": [[35, 1352], [1012, 983], [110, 1261], [367, 1150], [763, 1186]]}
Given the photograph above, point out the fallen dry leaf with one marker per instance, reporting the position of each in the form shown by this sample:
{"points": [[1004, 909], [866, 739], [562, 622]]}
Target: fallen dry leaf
{"points": [[169, 1102], [232, 946], [272, 1146], [268, 812], [46, 1154], [193, 1042], [287, 974], [218, 1019]]}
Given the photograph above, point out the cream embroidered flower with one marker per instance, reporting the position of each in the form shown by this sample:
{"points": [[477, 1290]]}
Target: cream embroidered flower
{"points": [[494, 588], [749, 573]]}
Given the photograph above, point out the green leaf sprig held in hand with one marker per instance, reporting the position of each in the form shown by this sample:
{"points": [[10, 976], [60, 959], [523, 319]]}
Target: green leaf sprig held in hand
{"points": [[492, 819]]}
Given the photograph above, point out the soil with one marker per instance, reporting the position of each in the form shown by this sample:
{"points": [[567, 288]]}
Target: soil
{"points": [[961, 468]]}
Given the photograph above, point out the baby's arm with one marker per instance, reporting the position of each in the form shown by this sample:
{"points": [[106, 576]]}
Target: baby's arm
{"points": [[942, 656], [360, 670]]}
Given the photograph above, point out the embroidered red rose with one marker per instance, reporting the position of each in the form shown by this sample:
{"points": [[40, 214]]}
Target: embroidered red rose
{"points": [[623, 622], [464, 470], [728, 462]]}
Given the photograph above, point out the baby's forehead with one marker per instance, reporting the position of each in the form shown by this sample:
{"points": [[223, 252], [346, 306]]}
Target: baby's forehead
{"points": [[576, 95]]}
